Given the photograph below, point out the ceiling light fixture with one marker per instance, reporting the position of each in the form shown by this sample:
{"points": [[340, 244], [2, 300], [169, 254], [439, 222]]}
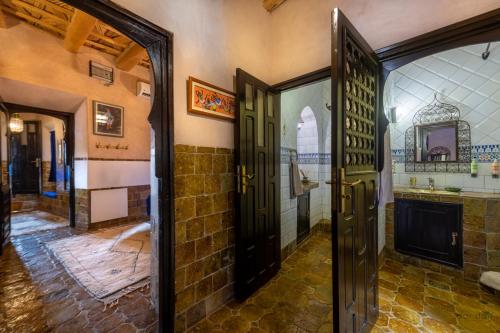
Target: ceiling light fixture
{"points": [[16, 124]]}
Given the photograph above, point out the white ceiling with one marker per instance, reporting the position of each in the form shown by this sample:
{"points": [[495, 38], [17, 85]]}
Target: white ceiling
{"points": [[17, 92], [462, 78]]}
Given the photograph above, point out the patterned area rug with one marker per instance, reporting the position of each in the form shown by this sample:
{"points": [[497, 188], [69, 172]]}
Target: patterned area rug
{"points": [[29, 222], [110, 263]]}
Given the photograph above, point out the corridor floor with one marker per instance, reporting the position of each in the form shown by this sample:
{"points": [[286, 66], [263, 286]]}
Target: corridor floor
{"points": [[29, 222], [298, 299], [38, 295]]}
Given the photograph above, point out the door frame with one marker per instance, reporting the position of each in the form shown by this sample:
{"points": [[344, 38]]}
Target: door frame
{"points": [[159, 45], [69, 123]]}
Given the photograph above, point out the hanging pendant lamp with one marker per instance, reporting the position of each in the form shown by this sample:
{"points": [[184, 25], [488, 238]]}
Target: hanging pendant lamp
{"points": [[16, 124]]}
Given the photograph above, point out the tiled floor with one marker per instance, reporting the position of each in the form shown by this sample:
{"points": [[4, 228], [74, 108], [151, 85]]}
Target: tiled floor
{"points": [[414, 299], [29, 222], [37, 295], [298, 299]]}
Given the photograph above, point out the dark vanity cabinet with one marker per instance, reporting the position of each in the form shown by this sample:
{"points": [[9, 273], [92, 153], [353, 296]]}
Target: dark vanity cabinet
{"points": [[429, 230], [303, 216]]}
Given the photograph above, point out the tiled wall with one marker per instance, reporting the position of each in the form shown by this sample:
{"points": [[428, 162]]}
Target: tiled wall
{"points": [[312, 143], [462, 78], [320, 197], [204, 228]]}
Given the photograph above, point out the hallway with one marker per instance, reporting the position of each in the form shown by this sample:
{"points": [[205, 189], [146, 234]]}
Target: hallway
{"points": [[38, 295], [34, 221]]}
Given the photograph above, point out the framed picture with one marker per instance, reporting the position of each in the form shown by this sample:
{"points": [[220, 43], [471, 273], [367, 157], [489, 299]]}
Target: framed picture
{"points": [[209, 100], [108, 119]]}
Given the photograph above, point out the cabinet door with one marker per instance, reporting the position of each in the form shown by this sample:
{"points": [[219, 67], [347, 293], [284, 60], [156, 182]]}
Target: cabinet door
{"points": [[430, 230]]}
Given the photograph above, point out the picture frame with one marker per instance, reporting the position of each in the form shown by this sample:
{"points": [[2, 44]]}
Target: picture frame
{"points": [[108, 119], [209, 100]]}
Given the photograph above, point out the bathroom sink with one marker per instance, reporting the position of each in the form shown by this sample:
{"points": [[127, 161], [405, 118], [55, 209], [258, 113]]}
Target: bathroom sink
{"points": [[426, 191]]}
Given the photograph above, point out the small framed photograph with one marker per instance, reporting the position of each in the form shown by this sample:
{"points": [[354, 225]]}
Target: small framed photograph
{"points": [[108, 119], [206, 99]]}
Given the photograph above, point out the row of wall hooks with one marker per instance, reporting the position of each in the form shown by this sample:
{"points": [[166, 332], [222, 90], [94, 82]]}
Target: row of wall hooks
{"points": [[110, 146]]}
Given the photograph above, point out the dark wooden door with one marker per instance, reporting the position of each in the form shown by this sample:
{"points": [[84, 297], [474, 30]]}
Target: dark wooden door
{"points": [[429, 230], [354, 200], [5, 227], [257, 140], [303, 216], [25, 158]]}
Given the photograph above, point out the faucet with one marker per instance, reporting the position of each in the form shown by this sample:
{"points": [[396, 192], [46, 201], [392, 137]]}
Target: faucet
{"points": [[432, 185]]}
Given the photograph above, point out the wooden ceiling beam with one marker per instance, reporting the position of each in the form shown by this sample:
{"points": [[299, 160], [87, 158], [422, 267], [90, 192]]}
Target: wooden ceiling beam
{"points": [[271, 5], [39, 11], [55, 7], [130, 57], [32, 20], [78, 30]]}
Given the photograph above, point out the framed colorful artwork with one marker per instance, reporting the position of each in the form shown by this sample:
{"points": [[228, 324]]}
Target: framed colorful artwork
{"points": [[108, 119], [206, 99]]}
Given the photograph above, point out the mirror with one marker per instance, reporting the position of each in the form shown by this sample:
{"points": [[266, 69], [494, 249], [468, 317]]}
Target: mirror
{"points": [[436, 142]]}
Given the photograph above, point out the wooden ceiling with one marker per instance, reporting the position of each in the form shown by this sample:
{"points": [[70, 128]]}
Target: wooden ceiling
{"points": [[271, 5], [77, 29]]}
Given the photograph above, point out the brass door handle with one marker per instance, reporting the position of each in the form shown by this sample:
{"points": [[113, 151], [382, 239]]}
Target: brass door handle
{"points": [[343, 195], [357, 182], [243, 179]]}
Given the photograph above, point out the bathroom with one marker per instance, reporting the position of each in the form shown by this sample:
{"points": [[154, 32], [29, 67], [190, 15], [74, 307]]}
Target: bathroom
{"points": [[306, 143], [444, 113]]}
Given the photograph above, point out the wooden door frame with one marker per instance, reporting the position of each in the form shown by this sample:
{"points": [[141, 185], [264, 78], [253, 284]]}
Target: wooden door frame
{"points": [[159, 45], [69, 123]]}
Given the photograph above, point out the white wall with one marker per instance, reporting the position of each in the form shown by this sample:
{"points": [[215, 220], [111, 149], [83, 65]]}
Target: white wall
{"points": [[313, 148], [461, 78]]}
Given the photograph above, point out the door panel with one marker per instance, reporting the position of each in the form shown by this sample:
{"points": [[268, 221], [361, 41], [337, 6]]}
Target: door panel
{"points": [[26, 159], [258, 182], [354, 97]]}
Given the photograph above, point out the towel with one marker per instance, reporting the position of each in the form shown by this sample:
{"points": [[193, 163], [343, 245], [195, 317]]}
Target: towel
{"points": [[296, 182], [491, 279]]}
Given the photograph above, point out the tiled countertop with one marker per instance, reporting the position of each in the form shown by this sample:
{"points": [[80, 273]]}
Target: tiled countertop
{"points": [[475, 195]]}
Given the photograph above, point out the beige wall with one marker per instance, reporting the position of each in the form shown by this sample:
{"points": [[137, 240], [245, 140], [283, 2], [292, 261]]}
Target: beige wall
{"points": [[41, 60], [301, 29], [213, 38]]}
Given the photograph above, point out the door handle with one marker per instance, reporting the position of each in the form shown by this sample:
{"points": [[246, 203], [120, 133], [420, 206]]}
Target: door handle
{"points": [[454, 236], [343, 196], [36, 162], [243, 178]]}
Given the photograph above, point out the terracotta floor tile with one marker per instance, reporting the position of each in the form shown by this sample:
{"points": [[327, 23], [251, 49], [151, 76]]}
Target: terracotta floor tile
{"points": [[38, 295]]}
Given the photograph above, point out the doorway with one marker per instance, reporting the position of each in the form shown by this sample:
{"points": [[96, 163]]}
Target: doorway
{"points": [[157, 41], [25, 156], [350, 178]]}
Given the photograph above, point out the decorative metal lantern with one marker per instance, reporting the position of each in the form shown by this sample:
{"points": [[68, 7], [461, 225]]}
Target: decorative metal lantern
{"points": [[16, 124]]}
